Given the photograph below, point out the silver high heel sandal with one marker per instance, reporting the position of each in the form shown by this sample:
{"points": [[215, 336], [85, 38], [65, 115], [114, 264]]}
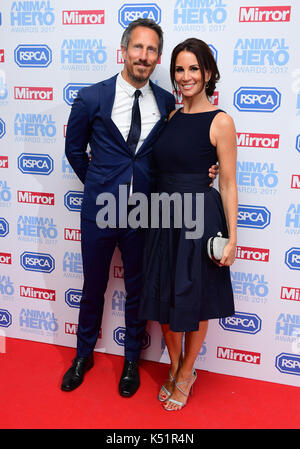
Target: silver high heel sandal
{"points": [[164, 389], [182, 404]]}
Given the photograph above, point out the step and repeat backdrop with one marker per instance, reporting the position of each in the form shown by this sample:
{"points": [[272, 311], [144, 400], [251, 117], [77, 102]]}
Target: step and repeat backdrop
{"points": [[51, 49]]}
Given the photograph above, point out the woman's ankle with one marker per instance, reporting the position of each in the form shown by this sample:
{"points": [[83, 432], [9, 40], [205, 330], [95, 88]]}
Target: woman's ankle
{"points": [[185, 374]]}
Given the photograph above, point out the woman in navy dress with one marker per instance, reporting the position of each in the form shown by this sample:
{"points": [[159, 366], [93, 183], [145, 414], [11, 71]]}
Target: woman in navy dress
{"points": [[183, 287]]}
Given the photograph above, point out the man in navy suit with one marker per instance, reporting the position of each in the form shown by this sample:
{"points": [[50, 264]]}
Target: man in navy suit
{"points": [[102, 116]]}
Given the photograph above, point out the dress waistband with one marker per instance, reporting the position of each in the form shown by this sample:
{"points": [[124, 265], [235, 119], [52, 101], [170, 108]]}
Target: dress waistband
{"points": [[183, 182]]}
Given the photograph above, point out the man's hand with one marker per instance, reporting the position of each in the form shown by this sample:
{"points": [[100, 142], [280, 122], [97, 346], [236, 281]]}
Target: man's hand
{"points": [[213, 173]]}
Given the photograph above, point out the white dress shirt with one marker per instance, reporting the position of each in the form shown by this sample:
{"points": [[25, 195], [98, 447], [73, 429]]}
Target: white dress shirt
{"points": [[122, 110]]}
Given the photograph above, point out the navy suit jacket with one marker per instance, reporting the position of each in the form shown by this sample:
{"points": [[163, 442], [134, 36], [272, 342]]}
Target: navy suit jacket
{"points": [[112, 163]]}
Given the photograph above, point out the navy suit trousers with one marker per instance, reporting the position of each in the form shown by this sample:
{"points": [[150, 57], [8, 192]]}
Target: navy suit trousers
{"points": [[98, 246]]}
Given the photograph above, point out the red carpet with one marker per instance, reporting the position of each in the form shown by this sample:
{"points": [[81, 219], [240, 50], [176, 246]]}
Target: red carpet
{"points": [[31, 398]]}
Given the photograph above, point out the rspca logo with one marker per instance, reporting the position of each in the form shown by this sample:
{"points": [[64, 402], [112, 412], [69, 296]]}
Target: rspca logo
{"points": [[4, 227], [257, 99], [83, 51], [257, 217], [31, 14], [71, 90], [298, 143], [2, 128], [73, 200], [288, 363], [33, 55], [246, 323], [73, 297], [195, 12], [119, 337], [130, 12], [43, 263], [35, 164], [5, 318], [214, 51], [292, 258]]}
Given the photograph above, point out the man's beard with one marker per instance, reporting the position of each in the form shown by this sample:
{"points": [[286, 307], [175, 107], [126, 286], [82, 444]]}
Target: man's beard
{"points": [[138, 78]]}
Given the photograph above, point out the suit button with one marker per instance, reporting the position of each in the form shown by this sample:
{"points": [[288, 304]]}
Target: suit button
{"points": [[128, 184]]}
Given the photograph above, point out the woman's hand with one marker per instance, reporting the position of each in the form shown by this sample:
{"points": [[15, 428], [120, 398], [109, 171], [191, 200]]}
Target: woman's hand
{"points": [[213, 173], [228, 256]]}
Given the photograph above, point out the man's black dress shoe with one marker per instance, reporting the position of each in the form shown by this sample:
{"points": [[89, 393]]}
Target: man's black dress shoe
{"points": [[130, 379], [74, 376]]}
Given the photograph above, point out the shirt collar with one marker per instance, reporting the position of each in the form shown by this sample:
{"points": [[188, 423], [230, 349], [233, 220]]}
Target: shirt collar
{"points": [[129, 89]]}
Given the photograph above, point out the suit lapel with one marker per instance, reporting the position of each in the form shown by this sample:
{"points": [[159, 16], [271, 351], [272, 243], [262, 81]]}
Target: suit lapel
{"points": [[107, 97], [161, 104], [160, 100]]}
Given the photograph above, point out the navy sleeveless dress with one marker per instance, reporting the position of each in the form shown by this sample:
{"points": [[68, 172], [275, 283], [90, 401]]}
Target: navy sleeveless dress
{"points": [[181, 285]]}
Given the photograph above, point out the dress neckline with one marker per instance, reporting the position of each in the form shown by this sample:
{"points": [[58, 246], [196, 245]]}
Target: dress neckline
{"points": [[196, 113]]}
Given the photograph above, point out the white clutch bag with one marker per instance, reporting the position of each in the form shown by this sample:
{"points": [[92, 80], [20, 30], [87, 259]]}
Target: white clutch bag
{"points": [[215, 246]]}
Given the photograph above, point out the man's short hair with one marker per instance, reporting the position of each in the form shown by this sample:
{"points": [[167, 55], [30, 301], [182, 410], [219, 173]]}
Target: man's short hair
{"points": [[148, 23]]}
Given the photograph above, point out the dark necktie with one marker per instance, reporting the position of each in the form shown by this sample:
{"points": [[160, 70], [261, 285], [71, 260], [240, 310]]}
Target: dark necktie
{"points": [[135, 127]]}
